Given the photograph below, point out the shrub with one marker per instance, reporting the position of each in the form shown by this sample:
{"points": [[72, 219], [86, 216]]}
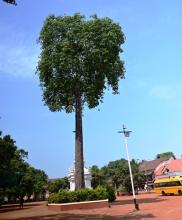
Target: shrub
{"points": [[111, 193], [101, 192], [83, 195], [60, 197]]}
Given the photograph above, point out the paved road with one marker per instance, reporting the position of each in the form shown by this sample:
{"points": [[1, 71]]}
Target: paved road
{"points": [[152, 206]]}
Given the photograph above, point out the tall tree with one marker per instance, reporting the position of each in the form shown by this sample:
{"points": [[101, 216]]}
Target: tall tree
{"points": [[79, 60]]}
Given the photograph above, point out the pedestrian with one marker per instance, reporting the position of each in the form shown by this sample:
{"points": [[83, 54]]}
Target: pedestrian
{"points": [[146, 187], [21, 201]]}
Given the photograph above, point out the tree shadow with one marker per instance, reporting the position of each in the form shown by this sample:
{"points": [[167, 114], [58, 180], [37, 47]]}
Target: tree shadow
{"points": [[16, 207], [137, 217], [88, 217], [140, 201], [9, 209]]}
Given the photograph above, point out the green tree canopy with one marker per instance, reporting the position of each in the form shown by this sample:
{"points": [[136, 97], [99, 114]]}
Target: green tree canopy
{"points": [[8, 148], [79, 59], [11, 158], [79, 56], [30, 181], [17, 177], [97, 176], [165, 154], [118, 172], [58, 184]]}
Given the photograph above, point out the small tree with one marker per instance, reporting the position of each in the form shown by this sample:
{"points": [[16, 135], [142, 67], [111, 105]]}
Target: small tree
{"points": [[79, 59], [97, 176], [58, 184]]}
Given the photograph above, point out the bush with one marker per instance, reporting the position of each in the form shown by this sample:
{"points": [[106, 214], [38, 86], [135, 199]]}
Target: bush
{"points": [[101, 192], [111, 193], [60, 197], [83, 195]]}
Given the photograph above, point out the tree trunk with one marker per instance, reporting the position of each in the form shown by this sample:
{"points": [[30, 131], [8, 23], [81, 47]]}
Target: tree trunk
{"points": [[79, 161]]}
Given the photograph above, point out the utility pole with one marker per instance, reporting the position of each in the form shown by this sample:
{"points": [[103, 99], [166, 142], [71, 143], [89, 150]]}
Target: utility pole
{"points": [[126, 135]]}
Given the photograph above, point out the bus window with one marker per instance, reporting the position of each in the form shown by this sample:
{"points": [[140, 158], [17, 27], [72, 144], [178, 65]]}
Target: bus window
{"points": [[168, 184]]}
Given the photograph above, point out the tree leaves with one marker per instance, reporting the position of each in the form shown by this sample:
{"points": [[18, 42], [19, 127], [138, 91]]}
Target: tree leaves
{"points": [[17, 177], [165, 154], [76, 52], [118, 172], [13, 2]]}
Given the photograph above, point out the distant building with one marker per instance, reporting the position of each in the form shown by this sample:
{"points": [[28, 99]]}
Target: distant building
{"points": [[169, 167], [149, 167]]}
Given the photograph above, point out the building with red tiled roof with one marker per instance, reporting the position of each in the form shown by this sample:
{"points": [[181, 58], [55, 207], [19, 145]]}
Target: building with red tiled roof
{"points": [[170, 166], [149, 167]]}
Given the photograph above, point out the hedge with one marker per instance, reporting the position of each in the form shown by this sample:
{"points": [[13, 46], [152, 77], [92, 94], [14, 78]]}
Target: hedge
{"points": [[99, 193]]}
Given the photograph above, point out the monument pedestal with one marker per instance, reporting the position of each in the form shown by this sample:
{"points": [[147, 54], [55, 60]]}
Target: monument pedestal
{"points": [[87, 178]]}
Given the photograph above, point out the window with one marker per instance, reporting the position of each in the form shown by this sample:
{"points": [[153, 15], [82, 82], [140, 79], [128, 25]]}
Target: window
{"points": [[167, 184]]}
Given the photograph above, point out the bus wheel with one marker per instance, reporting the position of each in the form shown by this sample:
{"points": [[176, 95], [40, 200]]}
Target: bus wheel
{"points": [[163, 193], [179, 192]]}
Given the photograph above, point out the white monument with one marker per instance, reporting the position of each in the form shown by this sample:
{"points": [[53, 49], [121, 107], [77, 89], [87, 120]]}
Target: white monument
{"points": [[87, 178]]}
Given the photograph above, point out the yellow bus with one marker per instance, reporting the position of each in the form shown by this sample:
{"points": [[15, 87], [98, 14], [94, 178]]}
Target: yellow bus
{"points": [[168, 185]]}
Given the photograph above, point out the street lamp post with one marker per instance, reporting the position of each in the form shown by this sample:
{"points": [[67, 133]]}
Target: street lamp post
{"points": [[126, 135]]}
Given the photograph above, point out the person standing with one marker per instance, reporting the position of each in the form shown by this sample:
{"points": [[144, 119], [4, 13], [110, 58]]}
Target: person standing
{"points": [[21, 201]]}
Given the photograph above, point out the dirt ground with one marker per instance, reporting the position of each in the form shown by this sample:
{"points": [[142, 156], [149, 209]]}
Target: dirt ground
{"points": [[151, 206]]}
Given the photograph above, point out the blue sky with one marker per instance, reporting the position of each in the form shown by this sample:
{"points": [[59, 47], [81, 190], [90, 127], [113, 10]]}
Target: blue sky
{"points": [[150, 97]]}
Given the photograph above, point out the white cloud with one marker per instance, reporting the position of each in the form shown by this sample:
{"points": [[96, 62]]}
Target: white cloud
{"points": [[18, 60], [165, 92], [18, 51]]}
